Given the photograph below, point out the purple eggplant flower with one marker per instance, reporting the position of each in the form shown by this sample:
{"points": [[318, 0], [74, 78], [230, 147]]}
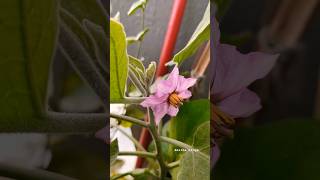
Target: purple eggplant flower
{"points": [[169, 95]]}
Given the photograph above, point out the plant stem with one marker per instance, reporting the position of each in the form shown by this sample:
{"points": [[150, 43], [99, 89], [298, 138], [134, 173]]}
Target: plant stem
{"points": [[128, 100], [129, 119], [175, 142], [118, 176], [181, 145], [138, 145], [137, 153], [173, 164], [140, 43], [157, 142]]}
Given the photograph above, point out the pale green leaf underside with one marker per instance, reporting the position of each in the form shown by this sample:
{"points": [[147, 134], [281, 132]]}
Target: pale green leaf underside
{"points": [[200, 35], [138, 38], [118, 60]]}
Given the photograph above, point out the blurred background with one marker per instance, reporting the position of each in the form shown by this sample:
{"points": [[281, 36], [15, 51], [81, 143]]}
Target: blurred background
{"points": [[281, 141]]}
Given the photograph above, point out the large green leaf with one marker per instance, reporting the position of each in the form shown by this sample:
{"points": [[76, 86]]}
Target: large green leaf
{"points": [[190, 116], [196, 164], [183, 127], [118, 60], [283, 150], [200, 35], [28, 35]]}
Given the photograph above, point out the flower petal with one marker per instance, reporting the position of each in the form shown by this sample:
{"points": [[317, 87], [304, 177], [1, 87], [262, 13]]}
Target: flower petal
{"points": [[154, 100], [185, 94], [241, 104], [215, 154], [173, 111], [185, 83], [159, 111], [235, 71], [170, 84]]}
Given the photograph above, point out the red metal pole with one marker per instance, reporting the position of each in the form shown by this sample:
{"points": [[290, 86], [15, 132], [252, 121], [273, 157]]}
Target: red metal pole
{"points": [[166, 54]]}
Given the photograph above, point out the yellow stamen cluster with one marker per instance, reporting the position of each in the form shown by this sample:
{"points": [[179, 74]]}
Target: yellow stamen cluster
{"points": [[175, 100]]}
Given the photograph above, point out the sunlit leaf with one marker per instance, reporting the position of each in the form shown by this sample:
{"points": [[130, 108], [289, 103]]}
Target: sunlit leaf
{"points": [[200, 35], [138, 38], [118, 60]]}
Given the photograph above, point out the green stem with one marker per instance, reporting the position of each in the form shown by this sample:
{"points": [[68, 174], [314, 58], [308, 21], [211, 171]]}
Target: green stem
{"points": [[181, 145], [137, 153], [128, 100], [173, 164], [129, 119], [118, 176], [140, 43], [175, 142], [157, 142], [138, 145]]}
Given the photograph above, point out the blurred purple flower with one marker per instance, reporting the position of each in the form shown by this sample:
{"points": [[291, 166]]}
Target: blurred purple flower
{"points": [[232, 73], [169, 95]]}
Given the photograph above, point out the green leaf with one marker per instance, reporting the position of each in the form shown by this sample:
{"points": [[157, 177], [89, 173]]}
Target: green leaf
{"points": [[136, 63], [288, 149], [140, 4], [28, 35], [150, 73], [190, 116], [118, 60], [114, 150], [196, 165], [200, 35], [138, 38]]}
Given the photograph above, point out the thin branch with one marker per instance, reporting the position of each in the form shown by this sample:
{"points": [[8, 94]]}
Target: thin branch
{"points": [[137, 153], [173, 164], [128, 100], [129, 119]]}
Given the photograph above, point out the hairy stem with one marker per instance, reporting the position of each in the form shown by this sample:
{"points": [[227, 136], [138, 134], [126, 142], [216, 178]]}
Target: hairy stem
{"points": [[128, 100], [129, 119], [140, 43], [137, 153], [173, 164], [157, 142]]}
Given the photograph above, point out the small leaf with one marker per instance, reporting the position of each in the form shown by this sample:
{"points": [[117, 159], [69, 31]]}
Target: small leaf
{"points": [[138, 38], [136, 63], [150, 73], [200, 35], [117, 16], [118, 60], [140, 4], [114, 150]]}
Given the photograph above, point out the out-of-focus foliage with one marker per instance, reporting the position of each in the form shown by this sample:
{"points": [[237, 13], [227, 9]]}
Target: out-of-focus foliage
{"points": [[285, 150]]}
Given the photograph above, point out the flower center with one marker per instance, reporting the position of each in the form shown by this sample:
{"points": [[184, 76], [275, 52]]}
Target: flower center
{"points": [[175, 100]]}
